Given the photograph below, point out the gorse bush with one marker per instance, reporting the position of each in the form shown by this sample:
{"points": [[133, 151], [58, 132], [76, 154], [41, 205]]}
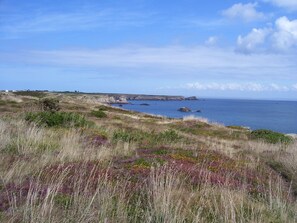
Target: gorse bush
{"points": [[271, 136], [99, 114], [58, 119]]}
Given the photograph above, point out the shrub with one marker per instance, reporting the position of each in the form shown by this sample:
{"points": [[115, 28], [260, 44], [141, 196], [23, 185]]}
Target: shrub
{"points": [[58, 119], [37, 94], [50, 104], [270, 136], [99, 114]]}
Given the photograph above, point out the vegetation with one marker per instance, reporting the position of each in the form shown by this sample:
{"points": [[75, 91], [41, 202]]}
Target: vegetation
{"points": [[271, 136], [59, 166], [99, 114], [37, 94], [50, 104], [58, 119], [146, 138]]}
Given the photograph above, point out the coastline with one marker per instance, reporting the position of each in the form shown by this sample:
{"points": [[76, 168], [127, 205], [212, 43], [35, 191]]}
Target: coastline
{"points": [[215, 111]]}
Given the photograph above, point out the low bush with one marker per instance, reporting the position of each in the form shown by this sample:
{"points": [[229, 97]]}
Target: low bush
{"points": [[58, 119], [270, 136], [50, 104], [99, 114]]}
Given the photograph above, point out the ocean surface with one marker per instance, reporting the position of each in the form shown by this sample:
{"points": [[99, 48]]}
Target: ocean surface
{"points": [[279, 116]]}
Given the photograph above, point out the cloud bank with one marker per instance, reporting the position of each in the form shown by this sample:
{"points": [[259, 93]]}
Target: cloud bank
{"points": [[233, 86], [181, 61]]}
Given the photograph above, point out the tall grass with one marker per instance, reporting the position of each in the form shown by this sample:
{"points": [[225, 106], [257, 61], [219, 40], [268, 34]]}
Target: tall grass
{"points": [[68, 175]]}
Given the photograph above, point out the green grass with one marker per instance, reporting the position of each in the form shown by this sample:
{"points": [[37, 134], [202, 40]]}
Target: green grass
{"points": [[64, 201], [207, 130], [271, 136], [58, 119], [7, 102], [99, 114], [146, 138]]}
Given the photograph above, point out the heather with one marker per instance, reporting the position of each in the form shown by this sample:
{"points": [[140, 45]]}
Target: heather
{"points": [[71, 165]]}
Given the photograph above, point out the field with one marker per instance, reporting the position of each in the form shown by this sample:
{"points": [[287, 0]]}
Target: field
{"points": [[68, 158]]}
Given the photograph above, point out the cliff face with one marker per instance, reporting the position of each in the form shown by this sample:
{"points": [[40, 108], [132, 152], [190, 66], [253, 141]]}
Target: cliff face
{"points": [[155, 97], [131, 97], [107, 98], [123, 99]]}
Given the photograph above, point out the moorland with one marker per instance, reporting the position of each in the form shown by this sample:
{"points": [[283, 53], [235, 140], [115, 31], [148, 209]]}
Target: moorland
{"points": [[75, 158]]}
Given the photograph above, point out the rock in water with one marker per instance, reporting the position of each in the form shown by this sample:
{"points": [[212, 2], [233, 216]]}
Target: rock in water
{"points": [[184, 109], [191, 98]]}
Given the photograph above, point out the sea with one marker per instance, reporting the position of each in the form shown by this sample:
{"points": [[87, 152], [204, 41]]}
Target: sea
{"points": [[280, 116]]}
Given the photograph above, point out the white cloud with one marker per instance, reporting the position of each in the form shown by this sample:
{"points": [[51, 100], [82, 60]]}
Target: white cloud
{"points": [[285, 35], [233, 86], [225, 86], [252, 41], [288, 4], [282, 37], [278, 87], [295, 86], [246, 12], [211, 41]]}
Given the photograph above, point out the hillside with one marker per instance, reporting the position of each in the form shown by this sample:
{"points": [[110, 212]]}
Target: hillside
{"points": [[73, 158]]}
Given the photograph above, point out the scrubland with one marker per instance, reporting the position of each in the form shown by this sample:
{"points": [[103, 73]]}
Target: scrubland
{"points": [[72, 161]]}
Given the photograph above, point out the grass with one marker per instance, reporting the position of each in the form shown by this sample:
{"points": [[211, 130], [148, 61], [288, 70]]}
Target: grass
{"points": [[58, 119], [99, 114], [126, 167], [271, 136], [147, 138]]}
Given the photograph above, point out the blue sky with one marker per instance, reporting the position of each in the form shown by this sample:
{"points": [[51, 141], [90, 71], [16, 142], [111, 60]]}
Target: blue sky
{"points": [[226, 49]]}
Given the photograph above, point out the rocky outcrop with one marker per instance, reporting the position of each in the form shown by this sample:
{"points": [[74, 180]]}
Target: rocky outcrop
{"points": [[192, 98], [154, 98], [111, 98], [184, 109]]}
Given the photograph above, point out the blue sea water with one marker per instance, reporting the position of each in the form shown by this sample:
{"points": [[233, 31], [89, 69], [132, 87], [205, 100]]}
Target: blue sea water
{"points": [[279, 116]]}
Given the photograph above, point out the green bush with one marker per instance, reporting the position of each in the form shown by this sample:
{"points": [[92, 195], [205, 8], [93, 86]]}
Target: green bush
{"points": [[270, 136], [58, 119], [99, 114], [50, 104]]}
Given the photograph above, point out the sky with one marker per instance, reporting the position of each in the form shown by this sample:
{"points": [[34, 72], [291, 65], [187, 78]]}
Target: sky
{"points": [[218, 49]]}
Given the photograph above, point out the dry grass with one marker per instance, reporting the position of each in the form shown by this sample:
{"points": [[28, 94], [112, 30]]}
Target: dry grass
{"points": [[158, 170]]}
